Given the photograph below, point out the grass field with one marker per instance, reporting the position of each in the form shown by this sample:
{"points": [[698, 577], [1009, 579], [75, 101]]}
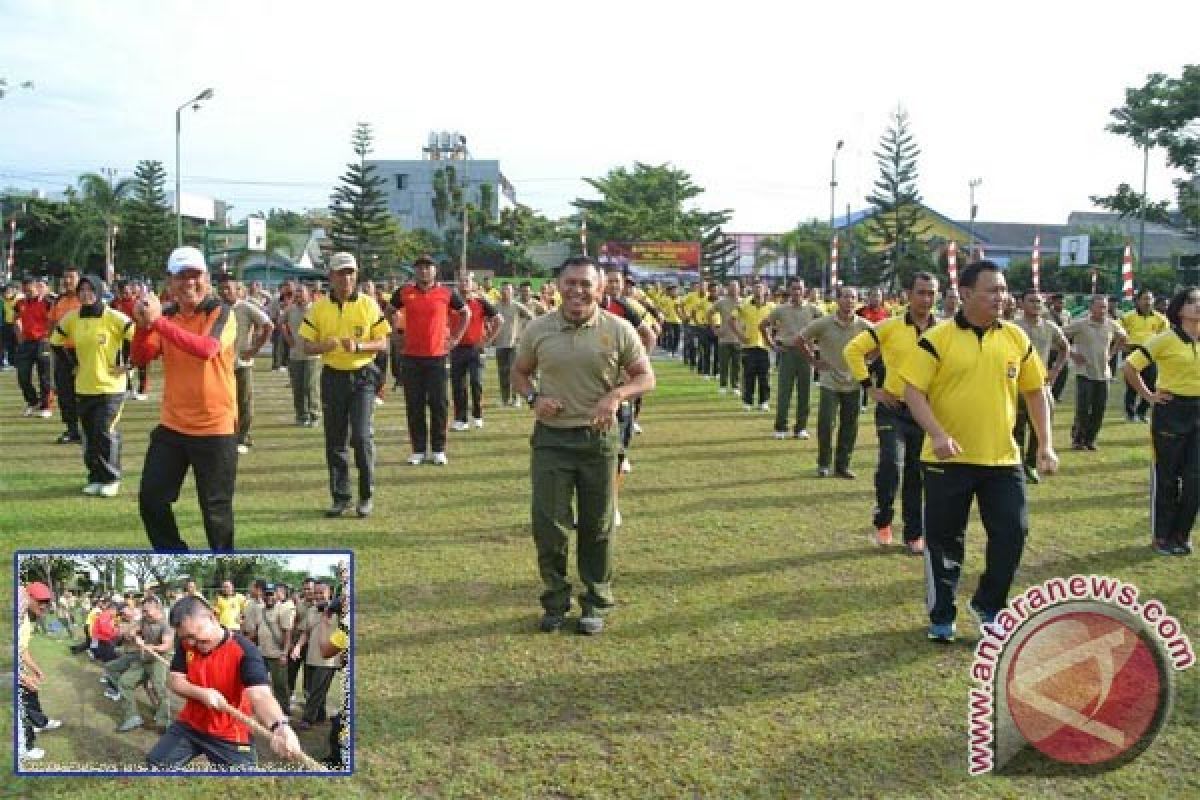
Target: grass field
{"points": [[762, 646]]}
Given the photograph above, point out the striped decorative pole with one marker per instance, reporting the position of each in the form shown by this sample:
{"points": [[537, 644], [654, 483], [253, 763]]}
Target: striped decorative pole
{"points": [[1127, 271], [583, 232], [833, 263], [1095, 279], [1037, 262], [952, 263]]}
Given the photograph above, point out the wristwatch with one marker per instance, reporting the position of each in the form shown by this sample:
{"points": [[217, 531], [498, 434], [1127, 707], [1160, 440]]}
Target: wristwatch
{"points": [[280, 724], [531, 398]]}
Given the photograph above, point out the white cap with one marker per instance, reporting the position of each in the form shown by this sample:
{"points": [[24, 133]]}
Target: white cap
{"points": [[341, 261], [182, 258]]}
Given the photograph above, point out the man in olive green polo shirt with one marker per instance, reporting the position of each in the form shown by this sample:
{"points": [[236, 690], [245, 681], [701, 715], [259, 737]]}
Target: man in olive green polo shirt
{"points": [[581, 354], [840, 393], [782, 329], [1095, 338]]}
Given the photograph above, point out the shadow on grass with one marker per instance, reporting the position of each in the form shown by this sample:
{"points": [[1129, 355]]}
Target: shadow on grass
{"points": [[475, 593], [827, 766], [615, 700]]}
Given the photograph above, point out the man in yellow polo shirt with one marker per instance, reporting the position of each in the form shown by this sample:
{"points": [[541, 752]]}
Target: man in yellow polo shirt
{"points": [[1175, 426], [1141, 325], [756, 359], [900, 437], [229, 606], [347, 329], [93, 338], [962, 385]]}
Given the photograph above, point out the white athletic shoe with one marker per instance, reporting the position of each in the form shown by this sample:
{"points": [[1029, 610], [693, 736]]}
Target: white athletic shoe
{"points": [[617, 518], [51, 725], [747, 407], [141, 396], [478, 421], [637, 429], [31, 754], [45, 413], [780, 434], [378, 400], [459, 425], [243, 449], [109, 489], [722, 390], [92, 489], [764, 407], [416, 459], [29, 411], [626, 466], [802, 434], [440, 460]]}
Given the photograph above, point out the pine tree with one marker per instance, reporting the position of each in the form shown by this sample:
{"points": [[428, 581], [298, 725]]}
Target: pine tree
{"points": [[148, 235], [360, 214], [896, 223]]}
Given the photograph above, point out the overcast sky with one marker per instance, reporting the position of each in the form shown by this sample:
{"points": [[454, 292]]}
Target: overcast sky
{"points": [[749, 97]]}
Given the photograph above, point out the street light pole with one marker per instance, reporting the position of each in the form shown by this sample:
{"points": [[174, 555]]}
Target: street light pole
{"points": [[974, 184], [1142, 224], [462, 143], [195, 104], [832, 194]]}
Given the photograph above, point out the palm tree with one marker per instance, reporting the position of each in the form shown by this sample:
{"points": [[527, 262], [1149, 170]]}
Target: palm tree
{"points": [[93, 229]]}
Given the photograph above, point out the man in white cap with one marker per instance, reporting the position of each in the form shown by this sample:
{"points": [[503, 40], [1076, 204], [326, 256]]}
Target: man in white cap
{"points": [[347, 329], [32, 603], [195, 337]]}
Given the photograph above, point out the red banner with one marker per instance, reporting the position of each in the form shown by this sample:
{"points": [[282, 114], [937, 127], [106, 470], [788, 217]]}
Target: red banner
{"points": [[652, 255]]}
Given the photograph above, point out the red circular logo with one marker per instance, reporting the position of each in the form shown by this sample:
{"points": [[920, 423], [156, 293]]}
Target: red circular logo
{"points": [[1086, 688]]}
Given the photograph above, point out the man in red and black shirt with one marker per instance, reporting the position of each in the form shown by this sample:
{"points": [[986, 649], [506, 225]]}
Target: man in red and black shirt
{"points": [[32, 323], [215, 669], [467, 358], [426, 305]]}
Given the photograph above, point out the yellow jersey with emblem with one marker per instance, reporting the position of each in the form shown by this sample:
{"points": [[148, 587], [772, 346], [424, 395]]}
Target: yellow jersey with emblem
{"points": [[751, 316], [972, 377], [99, 342], [358, 318], [1177, 357]]}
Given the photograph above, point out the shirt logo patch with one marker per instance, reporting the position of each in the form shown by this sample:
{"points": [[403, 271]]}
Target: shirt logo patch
{"points": [[1011, 370], [359, 330], [102, 338], [606, 341]]}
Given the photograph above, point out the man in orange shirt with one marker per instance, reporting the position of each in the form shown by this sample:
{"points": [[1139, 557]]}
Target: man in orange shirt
{"points": [[195, 336], [64, 365]]}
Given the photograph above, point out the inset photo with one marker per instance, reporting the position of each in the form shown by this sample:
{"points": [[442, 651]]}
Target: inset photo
{"points": [[149, 663]]}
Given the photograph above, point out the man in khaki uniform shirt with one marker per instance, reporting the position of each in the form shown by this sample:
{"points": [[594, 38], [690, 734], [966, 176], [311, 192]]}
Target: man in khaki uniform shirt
{"points": [[729, 346], [253, 610], [318, 671], [301, 601], [514, 316], [782, 330], [274, 635], [1046, 338], [589, 361], [1095, 338], [840, 393]]}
